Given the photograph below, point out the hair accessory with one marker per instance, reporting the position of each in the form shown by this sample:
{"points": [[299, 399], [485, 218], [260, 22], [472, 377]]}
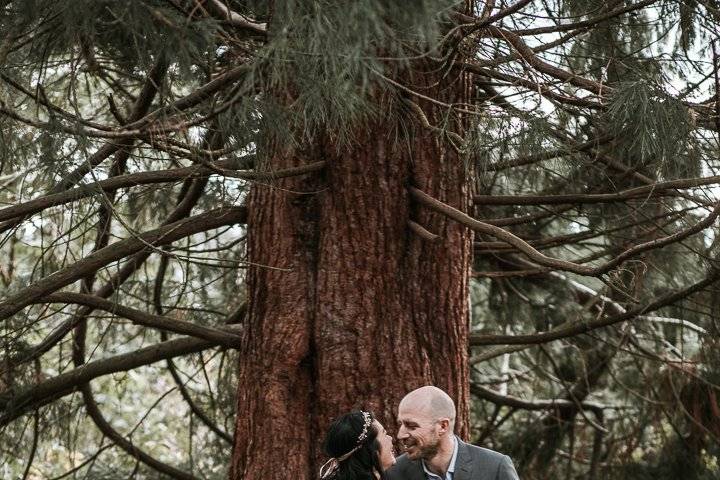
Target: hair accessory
{"points": [[334, 463], [366, 425]]}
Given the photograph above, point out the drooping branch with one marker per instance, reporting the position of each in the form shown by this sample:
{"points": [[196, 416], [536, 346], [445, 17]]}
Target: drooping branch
{"points": [[118, 439], [117, 251], [189, 195], [194, 408], [33, 445], [519, 403], [659, 189], [188, 199], [555, 263], [16, 403], [218, 336], [582, 327], [224, 168]]}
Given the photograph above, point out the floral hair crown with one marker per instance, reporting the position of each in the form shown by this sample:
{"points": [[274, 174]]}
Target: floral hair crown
{"points": [[333, 464]]}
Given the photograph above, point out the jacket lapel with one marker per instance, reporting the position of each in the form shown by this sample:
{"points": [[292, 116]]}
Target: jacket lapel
{"points": [[463, 463], [416, 471]]}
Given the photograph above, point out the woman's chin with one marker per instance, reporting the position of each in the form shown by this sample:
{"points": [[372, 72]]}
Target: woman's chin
{"points": [[390, 463]]}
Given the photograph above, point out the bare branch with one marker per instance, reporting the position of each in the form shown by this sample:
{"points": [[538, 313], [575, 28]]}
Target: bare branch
{"points": [[540, 65], [422, 232], [224, 12]]}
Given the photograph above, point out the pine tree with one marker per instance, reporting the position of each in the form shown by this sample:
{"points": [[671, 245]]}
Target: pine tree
{"points": [[226, 222]]}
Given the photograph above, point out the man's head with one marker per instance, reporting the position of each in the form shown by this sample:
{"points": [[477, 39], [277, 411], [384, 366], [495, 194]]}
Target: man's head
{"points": [[427, 419]]}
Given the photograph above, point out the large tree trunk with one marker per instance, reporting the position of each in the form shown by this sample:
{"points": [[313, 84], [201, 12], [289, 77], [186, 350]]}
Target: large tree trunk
{"points": [[347, 307]]}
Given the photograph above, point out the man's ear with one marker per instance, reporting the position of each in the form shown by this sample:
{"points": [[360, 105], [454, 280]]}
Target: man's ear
{"points": [[444, 425]]}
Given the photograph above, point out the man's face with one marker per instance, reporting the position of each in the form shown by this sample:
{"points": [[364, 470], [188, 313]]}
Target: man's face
{"points": [[419, 432]]}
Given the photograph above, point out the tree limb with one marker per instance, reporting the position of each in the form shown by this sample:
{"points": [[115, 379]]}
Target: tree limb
{"points": [[519, 403], [138, 317], [148, 178], [14, 404], [555, 263], [519, 342], [658, 189], [119, 250]]}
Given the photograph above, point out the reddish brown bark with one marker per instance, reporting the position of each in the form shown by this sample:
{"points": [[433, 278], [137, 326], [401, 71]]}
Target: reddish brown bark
{"points": [[363, 310]]}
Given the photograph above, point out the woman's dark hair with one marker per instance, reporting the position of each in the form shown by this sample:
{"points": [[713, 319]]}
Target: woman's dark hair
{"points": [[342, 436]]}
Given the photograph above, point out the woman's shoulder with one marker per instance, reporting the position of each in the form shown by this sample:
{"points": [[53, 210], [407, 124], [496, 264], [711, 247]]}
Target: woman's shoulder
{"points": [[401, 469]]}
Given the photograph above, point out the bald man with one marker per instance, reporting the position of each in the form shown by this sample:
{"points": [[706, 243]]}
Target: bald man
{"points": [[433, 452]]}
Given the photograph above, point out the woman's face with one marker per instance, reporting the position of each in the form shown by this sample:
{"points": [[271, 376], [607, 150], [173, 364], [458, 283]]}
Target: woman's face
{"points": [[386, 453]]}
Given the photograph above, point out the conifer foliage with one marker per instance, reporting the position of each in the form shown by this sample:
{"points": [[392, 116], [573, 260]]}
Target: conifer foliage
{"points": [[225, 222]]}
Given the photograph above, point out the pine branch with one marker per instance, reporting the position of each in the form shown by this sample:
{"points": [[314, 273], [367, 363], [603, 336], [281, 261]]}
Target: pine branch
{"points": [[556, 263], [542, 88], [530, 217], [223, 167], [534, 405], [194, 98], [655, 189], [139, 109], [213, 219], [194, 408], [573, 238], [15, 404], [549, 155], [520, 342], [541, 66], [496, 62], [590, 22], [473, 24], [223, 11], [217, 336], [498, 233]]}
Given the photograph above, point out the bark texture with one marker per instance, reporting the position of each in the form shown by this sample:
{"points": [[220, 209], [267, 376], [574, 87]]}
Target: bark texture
{"points": [[348, 307]]}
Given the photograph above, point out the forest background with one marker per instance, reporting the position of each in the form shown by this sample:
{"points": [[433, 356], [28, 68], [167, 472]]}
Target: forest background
{"points": [[225, 222]]}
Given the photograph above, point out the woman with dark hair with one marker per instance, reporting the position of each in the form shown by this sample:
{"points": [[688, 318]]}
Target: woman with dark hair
{"points": [[359, 449]]}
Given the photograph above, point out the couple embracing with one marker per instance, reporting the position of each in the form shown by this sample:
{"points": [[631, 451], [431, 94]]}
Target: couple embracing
{"points": [[360, 449]]}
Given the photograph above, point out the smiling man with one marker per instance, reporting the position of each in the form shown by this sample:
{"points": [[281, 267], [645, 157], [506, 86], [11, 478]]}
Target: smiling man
{"points": [[433, 452]]}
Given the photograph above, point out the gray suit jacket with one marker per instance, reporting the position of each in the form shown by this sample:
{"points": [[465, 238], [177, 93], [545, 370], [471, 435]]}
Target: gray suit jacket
{"points": [[473, 463]]}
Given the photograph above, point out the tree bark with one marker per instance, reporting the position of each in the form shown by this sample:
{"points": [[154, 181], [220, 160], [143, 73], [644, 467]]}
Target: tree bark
{"points": [[348, 308]]}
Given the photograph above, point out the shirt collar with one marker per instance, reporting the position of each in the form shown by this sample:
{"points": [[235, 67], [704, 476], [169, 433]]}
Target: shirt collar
{"points": [[451, 466]]}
